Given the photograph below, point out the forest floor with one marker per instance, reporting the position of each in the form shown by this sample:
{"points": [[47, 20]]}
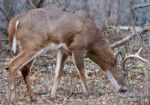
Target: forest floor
{"points": [[42, 76]]}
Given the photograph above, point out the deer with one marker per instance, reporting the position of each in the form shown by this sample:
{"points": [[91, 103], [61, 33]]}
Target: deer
{"points": [[71, 34]]}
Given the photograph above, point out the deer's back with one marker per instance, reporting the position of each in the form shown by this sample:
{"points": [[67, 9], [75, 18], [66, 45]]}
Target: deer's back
{"points": [[57, 25]]}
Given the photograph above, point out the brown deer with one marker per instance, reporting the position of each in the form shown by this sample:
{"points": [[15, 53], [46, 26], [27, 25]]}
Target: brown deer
{"points": [[71, 33]]}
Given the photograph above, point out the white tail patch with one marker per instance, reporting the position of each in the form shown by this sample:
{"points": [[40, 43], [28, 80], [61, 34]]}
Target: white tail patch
{"points": [[14, 43], [16, 26]]}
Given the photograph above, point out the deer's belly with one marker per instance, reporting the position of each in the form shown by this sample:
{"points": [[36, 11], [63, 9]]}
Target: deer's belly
{"points": [[53, 46]]}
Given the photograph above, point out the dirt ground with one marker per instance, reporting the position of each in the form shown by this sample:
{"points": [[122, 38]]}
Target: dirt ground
{"points": [[42, 76]]}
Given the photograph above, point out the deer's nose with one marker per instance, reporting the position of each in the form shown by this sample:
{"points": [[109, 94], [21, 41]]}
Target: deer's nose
{"points": [[123, 89]]}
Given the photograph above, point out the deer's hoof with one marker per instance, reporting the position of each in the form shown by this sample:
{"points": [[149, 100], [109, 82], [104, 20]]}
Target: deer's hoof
{"points": [[87, 94], [33, 98], [123, 89], [53, 97]]}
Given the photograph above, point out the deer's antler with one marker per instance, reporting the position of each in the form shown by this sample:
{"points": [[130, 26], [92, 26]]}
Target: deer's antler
{"points": [[137, 56]]}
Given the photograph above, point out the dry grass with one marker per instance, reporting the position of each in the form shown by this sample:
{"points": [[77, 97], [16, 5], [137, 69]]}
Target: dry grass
{"points": [[42, 75]]}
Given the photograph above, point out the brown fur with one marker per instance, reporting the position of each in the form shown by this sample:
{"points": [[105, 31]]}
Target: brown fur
{"points": [[39, 27]]}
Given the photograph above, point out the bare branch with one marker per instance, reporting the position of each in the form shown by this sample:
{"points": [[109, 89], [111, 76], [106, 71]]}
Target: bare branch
{"points": [[134, 17], [141, 6]]}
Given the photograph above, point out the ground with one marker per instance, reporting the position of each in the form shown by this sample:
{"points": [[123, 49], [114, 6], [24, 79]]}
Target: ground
{"points": [[70, 90]]}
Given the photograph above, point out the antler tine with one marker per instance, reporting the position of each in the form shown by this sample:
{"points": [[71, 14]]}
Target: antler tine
{"points": [[139, 51], [137, 56]]}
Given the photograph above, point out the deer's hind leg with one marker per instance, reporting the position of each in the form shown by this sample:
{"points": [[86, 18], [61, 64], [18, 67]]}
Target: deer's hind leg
{"points": [[22, 59], [25, 73]]}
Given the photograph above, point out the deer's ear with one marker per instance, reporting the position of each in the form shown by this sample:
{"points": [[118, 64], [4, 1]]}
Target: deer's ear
{"points": [[118, 57]]}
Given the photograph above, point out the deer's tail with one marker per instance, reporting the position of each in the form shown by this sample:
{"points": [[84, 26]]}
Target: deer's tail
{"points": [[12, 29]]}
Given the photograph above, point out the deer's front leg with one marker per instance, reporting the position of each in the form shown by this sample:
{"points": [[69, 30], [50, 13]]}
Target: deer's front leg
{"points": [[25, 73], [79, 62], [61, 58]]}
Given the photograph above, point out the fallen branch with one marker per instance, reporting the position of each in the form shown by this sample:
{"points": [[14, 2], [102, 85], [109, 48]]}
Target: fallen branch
{"points": [[129, 37], [121, 42], [124, 28], [145, 30]]}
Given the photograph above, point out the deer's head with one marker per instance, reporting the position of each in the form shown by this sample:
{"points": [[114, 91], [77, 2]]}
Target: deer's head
{"points": [[117, 75]]}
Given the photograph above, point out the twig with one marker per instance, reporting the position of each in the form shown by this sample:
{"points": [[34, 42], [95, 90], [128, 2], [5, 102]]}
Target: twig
{"points": [[31, 3], [4, 30], [133, 96], [4, 14], [80, 93], [40, 4]]}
